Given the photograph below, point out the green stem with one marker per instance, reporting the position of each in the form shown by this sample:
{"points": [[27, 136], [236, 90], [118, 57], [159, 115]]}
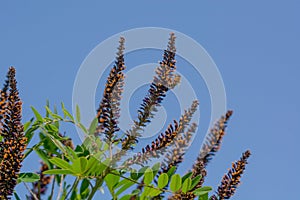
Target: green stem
{"points": [[52, 188], [95, 188], [75, 184]]}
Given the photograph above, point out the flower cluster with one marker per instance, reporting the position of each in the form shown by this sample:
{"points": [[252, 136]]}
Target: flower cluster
{"points": [[175, 154], [231, 180], [156, 148], [13, 142], [210, 147], [108, 111], [164, 80]]}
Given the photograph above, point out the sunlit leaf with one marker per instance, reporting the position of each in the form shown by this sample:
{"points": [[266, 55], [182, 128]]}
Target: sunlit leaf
{"points": [[61, 163], [188, 175], [203, 197], [79, 165], [154, 192], [175, 183], [195, 181], [37, 114], [163, 180], [28, 177], [202, 191], [111, 180], [67, 113], [58, 171], [148, 176], [186, 185]]}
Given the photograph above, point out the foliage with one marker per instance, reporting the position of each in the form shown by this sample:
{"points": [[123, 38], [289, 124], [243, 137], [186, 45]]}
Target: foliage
{"points": [[101, 160]]}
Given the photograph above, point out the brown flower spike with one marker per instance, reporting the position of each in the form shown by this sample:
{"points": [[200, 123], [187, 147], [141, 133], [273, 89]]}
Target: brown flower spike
{"points": [[175, 154], [211, 146], [231, 180], [108, 111], [164, 80], [13, 141]]}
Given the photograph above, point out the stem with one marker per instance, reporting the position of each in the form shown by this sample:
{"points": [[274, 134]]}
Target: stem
{"points": [[39, 190], [110, 150], [52, 187], [33, 195], [75, 184], [60, 187], [95, 188]]}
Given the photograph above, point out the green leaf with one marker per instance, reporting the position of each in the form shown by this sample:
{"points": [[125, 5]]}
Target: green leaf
{"points": [[58, 171], [84, 185], [85, 194], [124, 187], [155, 168], [134, 174], [186, 185], [148, 176], [171, 171], [93, 126], [28, 177], [37, 114], [175, 183], [29, 131], [83, 128], [71, 154], [90, 164], [142, 170], [51, 128], [95, 167], [202, 191], [122, 182], [79, 165], [56, 116], [195, 181], [17, 196], [126, 197], [48, 106], [57, 143], [77, 113], [145, 194], [74, 194], [188, 175], [27, 125], [61, 163], [154, 192], [163, 180], [102, 166], [43, 156], [63, 108], [111, 180], [48, 111], [203, 197], [66, 112], [135, 192]]}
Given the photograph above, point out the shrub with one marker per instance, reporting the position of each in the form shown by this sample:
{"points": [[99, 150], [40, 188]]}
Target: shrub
{"points": [[102, 156]]}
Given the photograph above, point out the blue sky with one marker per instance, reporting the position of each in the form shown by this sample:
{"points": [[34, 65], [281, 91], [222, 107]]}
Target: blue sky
{"points": [[255, 45]]}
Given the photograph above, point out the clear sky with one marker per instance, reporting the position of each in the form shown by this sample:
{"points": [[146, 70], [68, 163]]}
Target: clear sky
{"points": [[255, 45]]}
